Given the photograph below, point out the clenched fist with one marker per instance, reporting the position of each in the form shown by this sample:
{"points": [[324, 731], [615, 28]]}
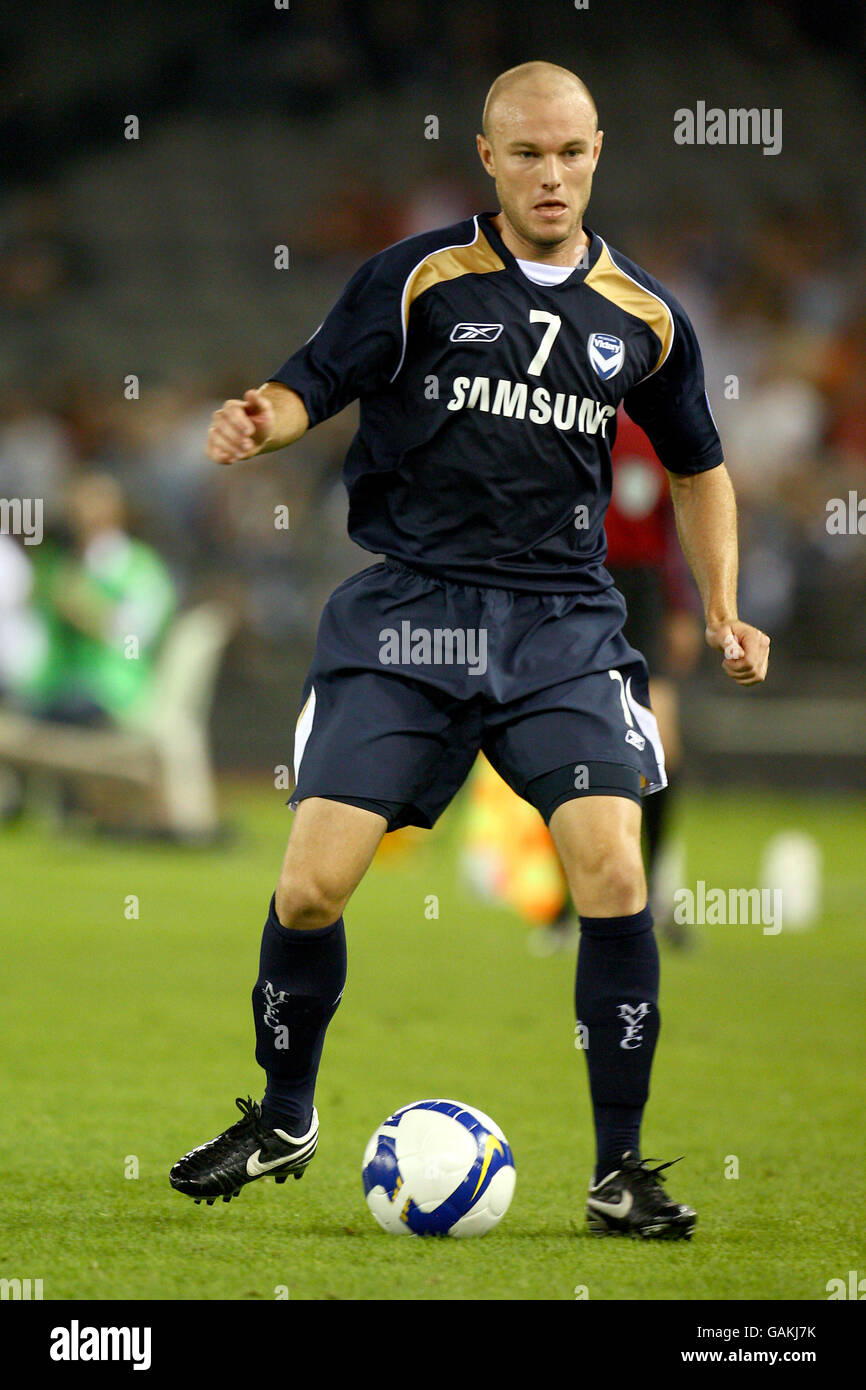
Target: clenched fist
{"points": [[746, 649], [240, 428]]}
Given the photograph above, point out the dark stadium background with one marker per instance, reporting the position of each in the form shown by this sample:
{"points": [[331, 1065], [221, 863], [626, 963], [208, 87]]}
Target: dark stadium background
{"points": [[260, 126]]}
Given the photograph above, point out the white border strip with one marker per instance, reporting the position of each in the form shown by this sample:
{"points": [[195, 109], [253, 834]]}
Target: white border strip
{"points": [[302, 732]]}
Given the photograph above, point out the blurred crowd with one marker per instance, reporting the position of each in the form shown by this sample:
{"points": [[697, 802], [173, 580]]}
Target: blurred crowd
{"points": [[780, 310], [777, 292]]}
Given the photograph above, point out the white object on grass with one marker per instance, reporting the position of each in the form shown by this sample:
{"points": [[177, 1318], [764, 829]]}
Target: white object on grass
{"points": [[793, 863]]}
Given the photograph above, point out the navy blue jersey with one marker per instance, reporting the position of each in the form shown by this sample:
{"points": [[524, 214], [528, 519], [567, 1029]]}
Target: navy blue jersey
{"points": [[488, 404]]}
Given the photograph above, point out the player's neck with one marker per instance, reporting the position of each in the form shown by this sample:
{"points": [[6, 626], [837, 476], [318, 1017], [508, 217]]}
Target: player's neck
{"points": [[566, 253]]}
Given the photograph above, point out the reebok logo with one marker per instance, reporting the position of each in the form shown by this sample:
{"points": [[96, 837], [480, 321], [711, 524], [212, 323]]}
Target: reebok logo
{"points": [[475, 332]]}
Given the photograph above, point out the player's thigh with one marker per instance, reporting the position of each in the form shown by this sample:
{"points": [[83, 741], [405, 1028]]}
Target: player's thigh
{"points": [[598, 842], [330, 848]]}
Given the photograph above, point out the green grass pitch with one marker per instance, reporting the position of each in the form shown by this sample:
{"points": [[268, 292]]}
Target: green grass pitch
{"points": [[125, 1041]]}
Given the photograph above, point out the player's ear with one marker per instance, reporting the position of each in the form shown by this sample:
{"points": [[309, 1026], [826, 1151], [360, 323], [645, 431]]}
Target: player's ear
{"points": [[597, 144], [485, 153]]}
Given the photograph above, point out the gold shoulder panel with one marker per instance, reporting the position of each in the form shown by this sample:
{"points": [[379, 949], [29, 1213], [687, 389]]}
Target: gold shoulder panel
{"points": [[614, 284], [478, 258]]}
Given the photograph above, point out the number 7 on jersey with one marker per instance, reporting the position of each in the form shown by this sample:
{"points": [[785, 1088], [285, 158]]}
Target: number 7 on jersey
{"points": [[554, 323]]}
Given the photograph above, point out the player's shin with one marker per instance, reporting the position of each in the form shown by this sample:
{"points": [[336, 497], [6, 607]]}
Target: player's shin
{"points": [[300, 984], [616, 1000]]}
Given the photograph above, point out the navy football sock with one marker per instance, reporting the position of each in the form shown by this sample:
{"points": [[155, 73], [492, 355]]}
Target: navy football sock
{"points": [[300, 984], [616, 1000]]}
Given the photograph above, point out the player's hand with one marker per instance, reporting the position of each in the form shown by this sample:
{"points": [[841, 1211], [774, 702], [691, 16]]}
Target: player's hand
{"points": [[240, 428], [746, 649]]}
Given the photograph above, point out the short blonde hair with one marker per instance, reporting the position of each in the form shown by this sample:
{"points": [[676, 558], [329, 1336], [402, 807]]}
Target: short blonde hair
{"points": [[545, 78]]}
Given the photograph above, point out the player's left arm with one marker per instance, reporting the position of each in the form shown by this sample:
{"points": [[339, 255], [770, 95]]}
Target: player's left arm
{"points": [[671, 405], [706, 515]]}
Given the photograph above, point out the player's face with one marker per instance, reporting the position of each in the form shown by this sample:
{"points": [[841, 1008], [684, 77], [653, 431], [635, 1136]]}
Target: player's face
{"points": [[542, 154]]}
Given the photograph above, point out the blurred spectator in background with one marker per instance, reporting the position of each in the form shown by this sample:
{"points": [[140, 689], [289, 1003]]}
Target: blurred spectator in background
{"points": [[353, 219], [22, 633], [36, 454], [40, 260], [436, 197], [105, 601]]}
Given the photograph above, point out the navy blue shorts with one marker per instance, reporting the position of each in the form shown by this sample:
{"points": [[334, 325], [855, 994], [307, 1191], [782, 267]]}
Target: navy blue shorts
{"points": [[412, 675]]}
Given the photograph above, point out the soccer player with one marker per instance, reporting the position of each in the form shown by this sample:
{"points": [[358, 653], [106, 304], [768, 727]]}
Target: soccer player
{"points": [[489, 359]]}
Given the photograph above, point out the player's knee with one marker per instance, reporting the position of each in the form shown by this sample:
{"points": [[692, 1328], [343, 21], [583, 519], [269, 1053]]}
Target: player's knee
{"points": [[613, 881], [307, 901], [621, 885]]}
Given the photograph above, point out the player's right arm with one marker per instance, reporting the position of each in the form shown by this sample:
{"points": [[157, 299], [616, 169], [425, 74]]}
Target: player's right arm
{"points": [[266, 419], [357, 349]]}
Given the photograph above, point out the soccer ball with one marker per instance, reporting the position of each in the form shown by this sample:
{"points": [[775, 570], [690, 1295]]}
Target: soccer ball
{"points": [[438, 1168]]}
